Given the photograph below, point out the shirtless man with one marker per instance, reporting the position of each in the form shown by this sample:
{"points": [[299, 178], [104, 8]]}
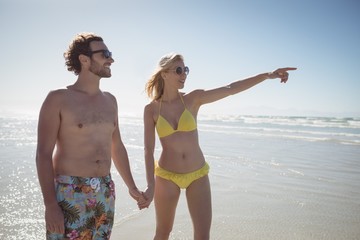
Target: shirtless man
{"points": [[82, 122]]}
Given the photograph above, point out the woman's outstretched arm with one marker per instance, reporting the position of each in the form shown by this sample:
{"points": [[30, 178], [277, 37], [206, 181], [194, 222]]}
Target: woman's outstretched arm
{"points": [[208, 96]]}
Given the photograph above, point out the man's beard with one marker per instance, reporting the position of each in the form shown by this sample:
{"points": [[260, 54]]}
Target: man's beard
{"points": [[100, 71]]}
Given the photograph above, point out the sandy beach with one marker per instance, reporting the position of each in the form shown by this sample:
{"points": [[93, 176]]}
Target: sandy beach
{"points": [[249, 206]]}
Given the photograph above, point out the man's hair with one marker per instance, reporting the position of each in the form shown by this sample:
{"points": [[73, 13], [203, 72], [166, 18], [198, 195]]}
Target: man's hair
{"points": [[79, 45]]}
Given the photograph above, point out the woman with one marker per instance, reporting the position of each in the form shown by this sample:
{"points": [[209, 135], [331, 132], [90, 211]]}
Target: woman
{"points": [[182, 164]]}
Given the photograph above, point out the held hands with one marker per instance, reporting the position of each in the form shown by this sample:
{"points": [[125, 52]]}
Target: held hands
{"points": [[143, 199], [281, 73], [149, 195], [139, 197]]}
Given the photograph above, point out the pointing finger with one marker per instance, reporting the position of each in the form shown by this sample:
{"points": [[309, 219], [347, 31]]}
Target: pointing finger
{"points": [[288, 69]]}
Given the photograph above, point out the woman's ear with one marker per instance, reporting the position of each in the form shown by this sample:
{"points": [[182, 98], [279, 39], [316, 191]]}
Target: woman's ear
{"points": [[163, 75]]}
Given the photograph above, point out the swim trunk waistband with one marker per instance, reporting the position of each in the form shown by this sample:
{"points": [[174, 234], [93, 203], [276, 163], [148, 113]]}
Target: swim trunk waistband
{"points": [[82, 180]]}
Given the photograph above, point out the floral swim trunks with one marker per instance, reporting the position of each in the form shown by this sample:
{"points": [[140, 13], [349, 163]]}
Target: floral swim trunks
{"points": [[88, 206]]}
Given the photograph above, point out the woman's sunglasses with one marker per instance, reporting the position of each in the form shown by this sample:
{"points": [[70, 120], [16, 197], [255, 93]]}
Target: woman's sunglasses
{"points": [[180, 70], [106, 53]]}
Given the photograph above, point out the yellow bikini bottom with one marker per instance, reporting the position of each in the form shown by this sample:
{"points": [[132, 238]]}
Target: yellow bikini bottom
{"points": [[182, 180]]}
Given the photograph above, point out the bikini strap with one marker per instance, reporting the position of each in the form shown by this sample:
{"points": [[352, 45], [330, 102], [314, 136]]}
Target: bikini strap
{"points": [[160, 105], [182, 99]]}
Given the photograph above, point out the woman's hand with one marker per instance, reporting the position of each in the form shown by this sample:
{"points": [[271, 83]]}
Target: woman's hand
{"points": [[138, 196], [148, 196], [281, 73]]}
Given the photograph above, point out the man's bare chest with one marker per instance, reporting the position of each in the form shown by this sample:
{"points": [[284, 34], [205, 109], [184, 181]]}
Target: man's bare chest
{"points": [[89, 113]]}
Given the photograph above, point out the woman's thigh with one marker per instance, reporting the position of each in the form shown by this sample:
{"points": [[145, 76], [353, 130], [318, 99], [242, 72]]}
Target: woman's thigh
{"points": [[198, 196], [166, 198]]}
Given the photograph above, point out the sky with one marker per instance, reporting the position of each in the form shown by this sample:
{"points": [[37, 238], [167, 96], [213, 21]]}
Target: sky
{"points": [[221, 41]]}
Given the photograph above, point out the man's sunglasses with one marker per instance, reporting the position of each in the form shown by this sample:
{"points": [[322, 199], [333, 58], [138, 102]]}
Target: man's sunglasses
{"points": [[180, 70], [106, 53]]}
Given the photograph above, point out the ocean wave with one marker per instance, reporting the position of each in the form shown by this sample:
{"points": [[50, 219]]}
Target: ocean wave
{"points": [[321, 122], [295, 136]]}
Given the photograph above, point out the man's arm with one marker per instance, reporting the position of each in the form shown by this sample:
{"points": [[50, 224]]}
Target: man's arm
{"points": [[121, 161], [48, 127]]}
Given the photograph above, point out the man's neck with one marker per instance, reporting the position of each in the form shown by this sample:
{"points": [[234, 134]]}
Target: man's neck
{"points": [[87, 83]]}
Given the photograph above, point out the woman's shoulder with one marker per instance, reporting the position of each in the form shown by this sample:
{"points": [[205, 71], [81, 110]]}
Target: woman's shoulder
{"points": [[193, 93], [193, 96], [151, 110], [192, 99], [151, 105]]}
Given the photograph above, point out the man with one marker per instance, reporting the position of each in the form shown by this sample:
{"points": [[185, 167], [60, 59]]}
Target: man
{"points": [[81, 121]]}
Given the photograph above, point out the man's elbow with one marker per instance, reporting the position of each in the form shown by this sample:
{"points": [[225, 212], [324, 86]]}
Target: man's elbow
{"points": [[42, 156]]}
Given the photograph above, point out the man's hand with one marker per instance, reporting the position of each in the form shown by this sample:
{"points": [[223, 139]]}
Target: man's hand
{"points": [[138, 196], [54, 219], [148, 195]]}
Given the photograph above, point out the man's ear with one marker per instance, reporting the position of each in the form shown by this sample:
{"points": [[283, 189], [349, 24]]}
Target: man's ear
{"points": [[83, 59]]}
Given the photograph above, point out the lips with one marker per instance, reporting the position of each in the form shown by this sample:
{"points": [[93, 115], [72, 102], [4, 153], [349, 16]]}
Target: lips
{"points": [[107, 67]]}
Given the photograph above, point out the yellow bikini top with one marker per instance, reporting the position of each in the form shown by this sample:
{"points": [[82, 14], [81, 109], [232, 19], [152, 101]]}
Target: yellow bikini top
{"points": [[186, 123]]}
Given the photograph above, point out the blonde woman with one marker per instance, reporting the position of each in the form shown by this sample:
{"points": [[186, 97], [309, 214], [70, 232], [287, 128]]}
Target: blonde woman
{"points": [[182, 164]]}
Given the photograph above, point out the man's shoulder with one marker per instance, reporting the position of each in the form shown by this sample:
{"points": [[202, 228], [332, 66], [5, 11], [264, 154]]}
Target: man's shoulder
{"points": [[58, 93], [109, 95]]}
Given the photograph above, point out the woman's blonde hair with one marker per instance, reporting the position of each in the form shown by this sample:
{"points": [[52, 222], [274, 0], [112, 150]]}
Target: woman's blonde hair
{"points": [[155, 85]]}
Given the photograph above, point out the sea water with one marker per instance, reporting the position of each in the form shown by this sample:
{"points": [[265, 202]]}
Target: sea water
{"points": [[271, 178]]}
